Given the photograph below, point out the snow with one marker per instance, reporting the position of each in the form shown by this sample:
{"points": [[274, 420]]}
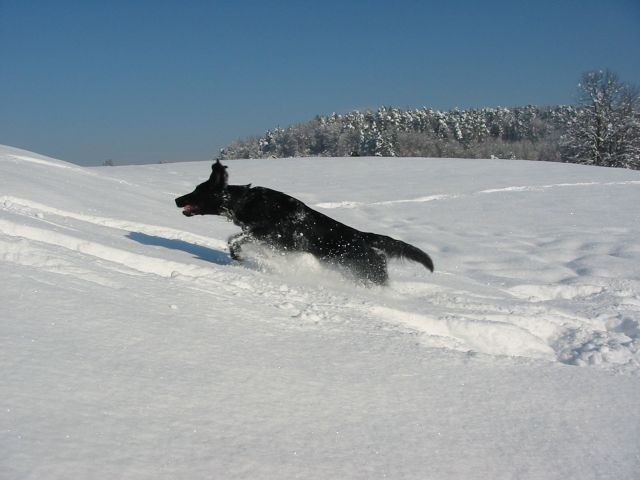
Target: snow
{"points": [[133, 347]]}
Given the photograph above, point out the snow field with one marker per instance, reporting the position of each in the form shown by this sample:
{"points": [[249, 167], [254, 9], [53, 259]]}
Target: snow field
{"points": [[133, 346]]}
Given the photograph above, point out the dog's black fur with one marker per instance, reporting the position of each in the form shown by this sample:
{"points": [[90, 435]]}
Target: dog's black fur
{"points": [[286, 223]]}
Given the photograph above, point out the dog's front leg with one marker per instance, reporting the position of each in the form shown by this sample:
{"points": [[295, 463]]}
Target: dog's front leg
{"points": [[235, 242]]}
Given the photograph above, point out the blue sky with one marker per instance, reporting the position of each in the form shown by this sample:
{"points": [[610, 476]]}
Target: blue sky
{"points": [[148, 81]]}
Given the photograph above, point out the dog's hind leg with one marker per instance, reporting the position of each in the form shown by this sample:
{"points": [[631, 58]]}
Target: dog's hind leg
{"points": [[376, 268], [368, 265]]}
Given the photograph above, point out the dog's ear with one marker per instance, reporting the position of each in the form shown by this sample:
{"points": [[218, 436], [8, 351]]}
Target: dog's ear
{"points": [[219, 175]]}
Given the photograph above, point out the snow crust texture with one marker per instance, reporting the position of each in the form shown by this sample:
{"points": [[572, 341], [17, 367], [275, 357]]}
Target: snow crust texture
{"points": [[134, 347]]}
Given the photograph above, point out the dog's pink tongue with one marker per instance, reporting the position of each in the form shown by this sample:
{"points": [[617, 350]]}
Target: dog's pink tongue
{"points": [[188, 209]]}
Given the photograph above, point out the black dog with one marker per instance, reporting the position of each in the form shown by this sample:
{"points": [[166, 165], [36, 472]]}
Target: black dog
{"points": [[286, 223]]}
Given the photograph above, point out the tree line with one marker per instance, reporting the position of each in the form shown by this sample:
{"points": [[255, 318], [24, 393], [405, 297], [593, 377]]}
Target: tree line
{"points": [[602, 129]]}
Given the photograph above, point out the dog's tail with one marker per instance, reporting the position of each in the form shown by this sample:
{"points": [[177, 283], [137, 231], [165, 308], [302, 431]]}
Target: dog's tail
{"points": [[399, 249]]}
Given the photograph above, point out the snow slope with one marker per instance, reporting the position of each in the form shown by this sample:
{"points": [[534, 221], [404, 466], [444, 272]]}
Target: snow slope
{"points": [[133, 347]]}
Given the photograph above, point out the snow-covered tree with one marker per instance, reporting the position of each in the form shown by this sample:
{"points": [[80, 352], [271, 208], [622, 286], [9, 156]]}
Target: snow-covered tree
{"points": [[606, 129]]}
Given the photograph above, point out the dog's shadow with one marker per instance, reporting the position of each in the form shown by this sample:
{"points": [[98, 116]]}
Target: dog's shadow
{"points": [[198, 251]]}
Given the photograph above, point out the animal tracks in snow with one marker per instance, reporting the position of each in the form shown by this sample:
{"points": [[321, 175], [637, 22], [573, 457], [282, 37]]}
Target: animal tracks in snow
{"points": [[432, 198], [552, 292], [544, 322], [538, 188], [541, 293], [484, 335], [347, 204], [541, 321]]}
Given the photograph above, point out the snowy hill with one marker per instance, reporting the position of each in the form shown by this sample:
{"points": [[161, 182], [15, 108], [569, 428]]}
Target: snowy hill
{"points": [[133, 347]]}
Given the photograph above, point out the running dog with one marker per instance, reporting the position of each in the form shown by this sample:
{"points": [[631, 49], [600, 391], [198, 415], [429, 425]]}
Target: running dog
{"points": [[287, 224]]}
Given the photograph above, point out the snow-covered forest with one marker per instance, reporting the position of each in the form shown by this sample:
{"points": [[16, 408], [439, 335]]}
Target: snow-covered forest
{"points": [[523, 132], [603, 128]]}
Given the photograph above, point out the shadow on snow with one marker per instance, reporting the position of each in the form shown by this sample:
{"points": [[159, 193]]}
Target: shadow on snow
{"points": [[198, 251]]}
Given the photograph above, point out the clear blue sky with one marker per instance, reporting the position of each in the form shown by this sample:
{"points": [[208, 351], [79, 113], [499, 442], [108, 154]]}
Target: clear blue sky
{"points": [[148, 81]]}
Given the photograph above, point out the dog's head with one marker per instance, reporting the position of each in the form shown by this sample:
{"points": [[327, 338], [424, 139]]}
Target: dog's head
{"points": [[208, 197]]}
